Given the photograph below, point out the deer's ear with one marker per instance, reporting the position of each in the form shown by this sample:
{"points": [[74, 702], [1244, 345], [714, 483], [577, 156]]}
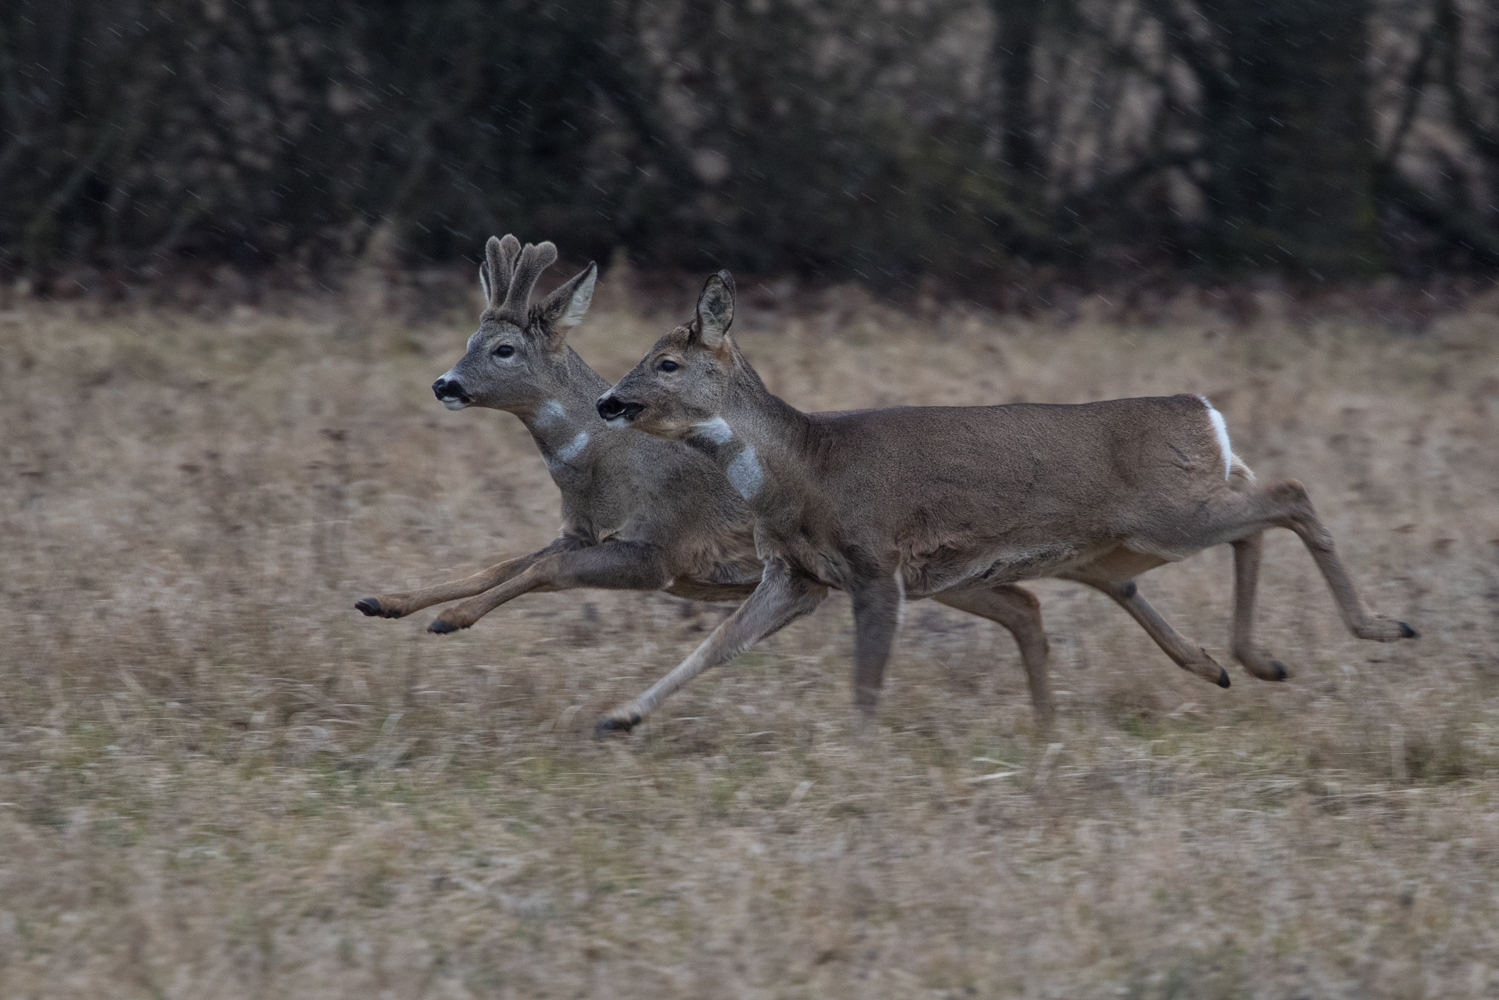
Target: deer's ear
{"points": [[566, 306], [715, 310], [485, 285]]}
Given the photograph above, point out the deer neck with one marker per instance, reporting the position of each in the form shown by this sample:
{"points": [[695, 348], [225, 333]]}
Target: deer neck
{"points": [[757, 440], [566, 425]]}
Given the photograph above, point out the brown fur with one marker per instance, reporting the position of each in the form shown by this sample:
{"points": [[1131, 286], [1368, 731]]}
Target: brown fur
{"points": [[944, 501]]}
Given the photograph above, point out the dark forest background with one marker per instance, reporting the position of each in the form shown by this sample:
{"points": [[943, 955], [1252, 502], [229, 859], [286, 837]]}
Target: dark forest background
{"points": [[876, 139]]}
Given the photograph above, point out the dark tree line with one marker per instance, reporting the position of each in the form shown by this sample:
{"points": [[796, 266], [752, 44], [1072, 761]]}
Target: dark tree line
{"points": [[878, 138]]}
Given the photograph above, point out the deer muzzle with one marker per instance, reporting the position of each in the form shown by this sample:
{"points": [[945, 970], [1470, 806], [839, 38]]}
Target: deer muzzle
{"points": [[617, 412], [450, 393]]}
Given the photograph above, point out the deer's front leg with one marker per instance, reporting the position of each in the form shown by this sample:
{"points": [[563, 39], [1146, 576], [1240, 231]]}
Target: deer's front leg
{"points": [[401, 605], [610, 566], [877, 609], [779, 600]]}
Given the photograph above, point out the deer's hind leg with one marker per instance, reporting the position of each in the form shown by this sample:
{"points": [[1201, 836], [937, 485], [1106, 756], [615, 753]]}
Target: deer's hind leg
{"points": [[1239, 518], [1246, 580], [1300, 517], [1018, 611]]}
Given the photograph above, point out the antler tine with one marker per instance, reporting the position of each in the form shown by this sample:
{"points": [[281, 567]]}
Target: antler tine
{"points": [[500, 256], [533, 260], [509, 253]]}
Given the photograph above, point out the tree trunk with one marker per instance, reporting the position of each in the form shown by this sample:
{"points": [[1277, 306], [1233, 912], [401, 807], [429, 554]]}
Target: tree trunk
{"points": [[1014, 55], [1287, 135]]}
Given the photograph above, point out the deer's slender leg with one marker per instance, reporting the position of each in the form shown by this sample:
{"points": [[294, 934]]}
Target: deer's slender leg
{"points": [[610, 566], [1018, 611], [402, 604], [1191, 658], [877, 610], [1300, 517], [779, 600], [1246, 579], [1239, 515], [1236, 516]]}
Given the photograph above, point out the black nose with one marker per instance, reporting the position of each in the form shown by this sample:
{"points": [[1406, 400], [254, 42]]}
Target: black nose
{"points": [[449, 388], [610, 407]]}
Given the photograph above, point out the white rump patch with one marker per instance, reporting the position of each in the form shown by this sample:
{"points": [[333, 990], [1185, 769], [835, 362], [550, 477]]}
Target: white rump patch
{"points": [[1221, 430], [716, 430], [570, 451], [745, 474]]}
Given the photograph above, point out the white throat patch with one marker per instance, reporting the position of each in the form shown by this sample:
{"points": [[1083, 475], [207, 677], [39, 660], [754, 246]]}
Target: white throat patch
{"points": [[745, 473], [716, 430], [569, 451]]}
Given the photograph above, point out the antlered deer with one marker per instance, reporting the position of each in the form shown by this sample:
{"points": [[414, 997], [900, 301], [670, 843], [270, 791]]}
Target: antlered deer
{"points": [[638, 513], [950, 502]]}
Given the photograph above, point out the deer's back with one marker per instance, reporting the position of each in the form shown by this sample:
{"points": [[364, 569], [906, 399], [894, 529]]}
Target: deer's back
{"points": [[1031, 486]]}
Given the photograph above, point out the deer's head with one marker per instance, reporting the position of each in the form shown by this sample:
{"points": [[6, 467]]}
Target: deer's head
{"points": [[681, 382], [516, 359]]}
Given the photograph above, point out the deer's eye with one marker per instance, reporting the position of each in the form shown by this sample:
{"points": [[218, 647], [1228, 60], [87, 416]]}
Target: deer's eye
{"points": [[504, 351], [667, 366]]}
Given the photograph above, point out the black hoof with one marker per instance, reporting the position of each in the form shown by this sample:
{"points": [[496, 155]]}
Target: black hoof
{"points": [[1223, 681], [1281, 673], [441, 627], [1406, 632], [608, 724], [370, 606]]}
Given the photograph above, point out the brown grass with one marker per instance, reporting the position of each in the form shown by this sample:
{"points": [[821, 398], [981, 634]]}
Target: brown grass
{"points": [[216, 779]]}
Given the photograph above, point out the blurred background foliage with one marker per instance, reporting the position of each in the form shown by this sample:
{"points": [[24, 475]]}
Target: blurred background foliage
{"points": [[874, 139]]}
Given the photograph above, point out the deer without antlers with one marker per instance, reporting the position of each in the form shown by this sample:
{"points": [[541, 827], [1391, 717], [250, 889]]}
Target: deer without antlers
{"points": [[950, 502]]}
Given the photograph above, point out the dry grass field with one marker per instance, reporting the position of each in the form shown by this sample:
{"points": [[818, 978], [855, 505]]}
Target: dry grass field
{"points": [[219, 780]]}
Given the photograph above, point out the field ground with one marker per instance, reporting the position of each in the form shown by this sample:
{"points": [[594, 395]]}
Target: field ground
{"points": [[217, 779]]}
